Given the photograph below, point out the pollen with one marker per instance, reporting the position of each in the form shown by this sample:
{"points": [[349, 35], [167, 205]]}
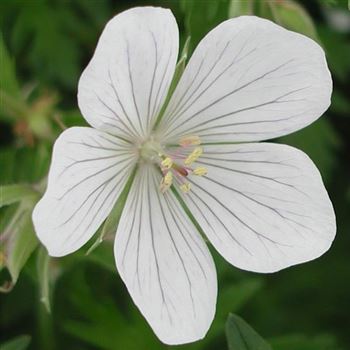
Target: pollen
{"points": [[186, 187], [200, 171], [191, 140], [196, 153], [166, 182], [167, 163]]}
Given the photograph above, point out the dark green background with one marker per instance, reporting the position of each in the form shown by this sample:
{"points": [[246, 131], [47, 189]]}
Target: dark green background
{"points": [[305, 307]]}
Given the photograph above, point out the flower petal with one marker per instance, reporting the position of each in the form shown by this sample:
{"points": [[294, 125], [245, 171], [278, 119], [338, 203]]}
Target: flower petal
{"points": [[249, 80], [124, 85], [263, 206], [164, 263], [88, 171]]}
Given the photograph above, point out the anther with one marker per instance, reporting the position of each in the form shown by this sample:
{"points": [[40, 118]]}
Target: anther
{"points": [[196, 153], [200, 171], [166, 182], [167, 163], [186, 187], [191, 140]]}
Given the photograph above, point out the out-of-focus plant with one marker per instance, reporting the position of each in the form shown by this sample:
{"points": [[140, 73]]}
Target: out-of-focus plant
{"points": [[58, 34], [18, 343], [18, 239], [28, 112]]}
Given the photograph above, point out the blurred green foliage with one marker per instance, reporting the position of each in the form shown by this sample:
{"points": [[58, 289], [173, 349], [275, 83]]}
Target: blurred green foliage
{"points": [[78, 302]]}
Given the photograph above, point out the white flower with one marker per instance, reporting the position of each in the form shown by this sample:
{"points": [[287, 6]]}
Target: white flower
{"points": [[261, 205]]}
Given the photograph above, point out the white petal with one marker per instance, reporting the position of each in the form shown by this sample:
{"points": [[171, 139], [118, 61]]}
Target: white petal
{"points": [[89, 169], [248, 80], [164, 263], [126, 82], [263, 206]]}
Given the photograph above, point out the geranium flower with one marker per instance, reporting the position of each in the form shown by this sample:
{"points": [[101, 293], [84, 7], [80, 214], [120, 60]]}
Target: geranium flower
{"points": [[261, 205]]}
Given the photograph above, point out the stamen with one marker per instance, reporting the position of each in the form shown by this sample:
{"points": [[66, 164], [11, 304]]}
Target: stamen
{"points": [[166, 182], [176, 164], [186, 187], [191, 140], [196, 153], [167, 163], [200, 171]]}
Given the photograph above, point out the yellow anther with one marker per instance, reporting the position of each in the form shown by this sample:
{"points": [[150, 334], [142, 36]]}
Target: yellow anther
{"points": [[191, 140], [185, 188], [200, 171], [167, 163], [196, 153], [166, 182]]}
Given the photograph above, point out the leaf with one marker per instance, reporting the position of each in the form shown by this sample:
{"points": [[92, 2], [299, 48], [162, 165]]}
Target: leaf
{"points": [[24, 165], [293, 16], [51, 46], [240, 336], [43, 264], [202, 16], [9, 81], [18, 242], [19, 343], [10, 194], [240, 8], [12, 103]]}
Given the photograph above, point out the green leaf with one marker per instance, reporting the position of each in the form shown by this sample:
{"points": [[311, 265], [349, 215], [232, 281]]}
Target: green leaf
{"points": [[202, 16], [9, 81], [19, 343], [293, 16], [10, 194], [24, 165], [51, 46], [240, 8], [18, 242], [240, 336], [12, 103], [43, 265]]}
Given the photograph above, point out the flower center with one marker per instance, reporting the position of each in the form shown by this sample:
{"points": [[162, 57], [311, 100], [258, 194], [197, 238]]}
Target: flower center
{"points": [[175, 162], [150, 151]]}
